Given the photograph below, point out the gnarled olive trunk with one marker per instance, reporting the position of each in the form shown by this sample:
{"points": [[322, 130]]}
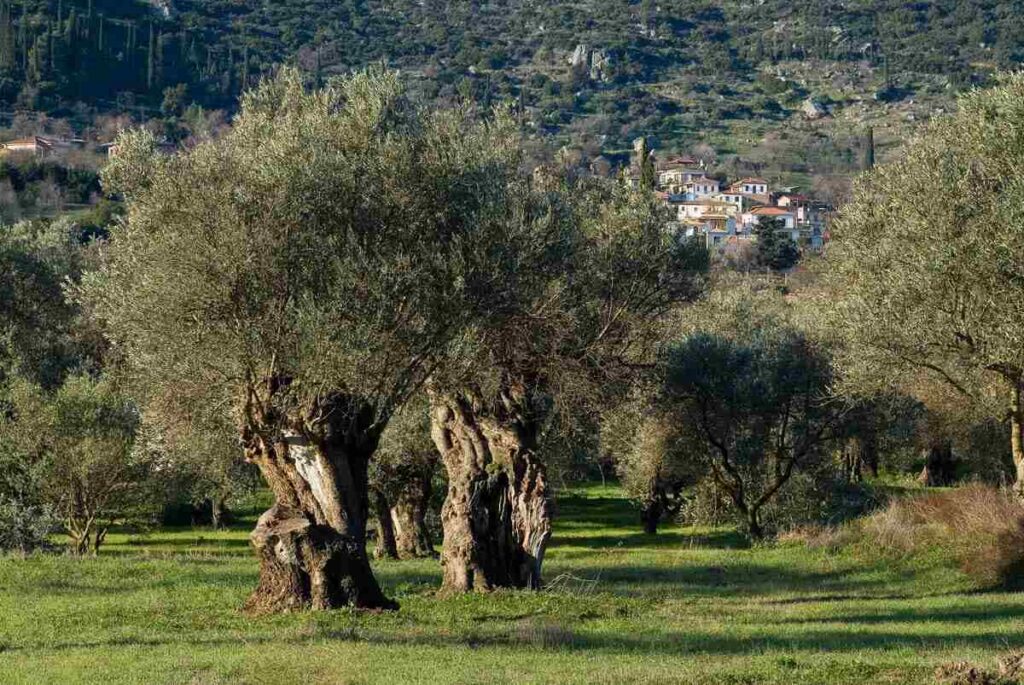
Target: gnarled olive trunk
{"points": [[409, 516], [497, 515], [311, 543], [1017, 437], [386, 547]]}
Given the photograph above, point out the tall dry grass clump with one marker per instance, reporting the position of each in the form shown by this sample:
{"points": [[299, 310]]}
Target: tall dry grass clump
{"points": [[978, 526]]}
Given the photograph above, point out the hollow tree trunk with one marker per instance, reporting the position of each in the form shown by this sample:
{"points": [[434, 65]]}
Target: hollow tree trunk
{"points": [[497, 515], [938, 469], [311, 543], [410, 520], [386, 547]]}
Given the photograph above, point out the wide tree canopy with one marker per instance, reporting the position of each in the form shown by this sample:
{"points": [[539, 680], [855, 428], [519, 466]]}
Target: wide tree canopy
{"points": [[750, 392], [928, 262], [301, 276]]}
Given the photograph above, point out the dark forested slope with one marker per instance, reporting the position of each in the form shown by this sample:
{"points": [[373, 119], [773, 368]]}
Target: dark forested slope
{"points": [[682, 71]]}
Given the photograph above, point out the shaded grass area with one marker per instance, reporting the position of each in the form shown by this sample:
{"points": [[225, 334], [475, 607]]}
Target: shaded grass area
{"points": [[686, 605]]}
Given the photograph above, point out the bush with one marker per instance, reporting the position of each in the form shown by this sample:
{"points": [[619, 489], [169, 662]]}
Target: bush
{"points": [[978, 527], [809, 501], [24, 526]]}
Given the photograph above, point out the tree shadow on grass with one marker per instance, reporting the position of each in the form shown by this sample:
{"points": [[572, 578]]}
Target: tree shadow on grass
{"points": [[554, 636], [677, 539], [735, 580], [613, 512], [958, 615]]}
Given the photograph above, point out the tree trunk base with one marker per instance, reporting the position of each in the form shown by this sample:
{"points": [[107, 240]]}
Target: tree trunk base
{"points": [[308, 566], [411, 534]]}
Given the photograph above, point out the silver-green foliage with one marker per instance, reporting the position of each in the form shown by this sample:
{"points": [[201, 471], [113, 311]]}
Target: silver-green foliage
{"points": [[329, 242], [927, 260]]}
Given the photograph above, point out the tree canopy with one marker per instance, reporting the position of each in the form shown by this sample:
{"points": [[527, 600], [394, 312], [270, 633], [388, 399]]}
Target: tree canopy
{"points": [[926, 264]]}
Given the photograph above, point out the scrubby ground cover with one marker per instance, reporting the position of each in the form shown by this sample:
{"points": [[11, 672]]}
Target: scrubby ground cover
{"points": [[686, 605]]}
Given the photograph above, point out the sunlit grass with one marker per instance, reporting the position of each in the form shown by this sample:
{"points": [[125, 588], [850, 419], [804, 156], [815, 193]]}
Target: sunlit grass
{"points": [[686, 605]]}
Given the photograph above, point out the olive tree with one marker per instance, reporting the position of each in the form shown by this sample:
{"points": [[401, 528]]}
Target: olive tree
{"points": [[751, 394], [927, 262], [652, 462], [301, 276], [80, 436], [577, 313], [403, 479]]}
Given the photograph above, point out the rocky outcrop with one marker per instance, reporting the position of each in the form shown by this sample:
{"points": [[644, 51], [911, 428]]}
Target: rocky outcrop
{"points": [[593, 63], [813, 109]]}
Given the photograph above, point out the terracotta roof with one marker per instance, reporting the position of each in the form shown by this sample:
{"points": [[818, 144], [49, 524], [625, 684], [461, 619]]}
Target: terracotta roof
{"points": [[770, 211], [681, 160]]}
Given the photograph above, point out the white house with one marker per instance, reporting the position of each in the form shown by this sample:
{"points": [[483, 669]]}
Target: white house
{"points": [[751, 187], [699, 187]]}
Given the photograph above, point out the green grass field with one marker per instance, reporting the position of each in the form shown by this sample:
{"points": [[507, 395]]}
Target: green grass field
{"points": [[685, 606]]}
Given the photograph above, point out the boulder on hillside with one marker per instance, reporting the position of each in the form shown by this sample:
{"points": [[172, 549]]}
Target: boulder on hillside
{"points": [[813, 109]]}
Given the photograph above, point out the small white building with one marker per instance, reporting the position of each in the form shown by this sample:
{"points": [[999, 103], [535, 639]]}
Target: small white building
{"points": [[700, 187], [756, 189]]}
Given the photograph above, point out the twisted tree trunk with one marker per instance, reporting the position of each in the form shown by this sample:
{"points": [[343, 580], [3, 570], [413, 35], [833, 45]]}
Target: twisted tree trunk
{"points": [[311, 543], [497, 515], [1017, 437], [387, 547], [409, 516], [853, 460]]}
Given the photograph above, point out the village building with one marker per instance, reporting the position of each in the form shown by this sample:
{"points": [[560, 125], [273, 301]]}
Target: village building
{"points": [[39, 146]]}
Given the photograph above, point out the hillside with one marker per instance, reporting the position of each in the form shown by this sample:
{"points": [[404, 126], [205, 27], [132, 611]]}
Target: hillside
{"points": [[736, 75]]}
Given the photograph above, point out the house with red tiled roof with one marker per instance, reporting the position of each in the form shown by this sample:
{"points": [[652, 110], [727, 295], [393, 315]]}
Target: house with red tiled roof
{"points": [[678, 162]]}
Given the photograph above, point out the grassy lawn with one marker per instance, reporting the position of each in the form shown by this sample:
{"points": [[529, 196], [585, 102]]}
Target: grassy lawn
{"points": [[685, 606]]}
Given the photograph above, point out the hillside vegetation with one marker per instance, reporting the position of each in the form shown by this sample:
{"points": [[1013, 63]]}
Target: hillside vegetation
{"points": [[734, 74]]}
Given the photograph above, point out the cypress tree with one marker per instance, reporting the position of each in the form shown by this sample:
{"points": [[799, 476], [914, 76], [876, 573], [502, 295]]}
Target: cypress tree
{"points": [[868, 162], [245, 66], [151, 61], [6, 36], [23, 34]]}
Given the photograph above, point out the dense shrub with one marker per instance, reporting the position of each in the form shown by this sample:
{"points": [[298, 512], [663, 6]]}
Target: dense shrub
{"points": [[809, 501], [25, 525]]}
